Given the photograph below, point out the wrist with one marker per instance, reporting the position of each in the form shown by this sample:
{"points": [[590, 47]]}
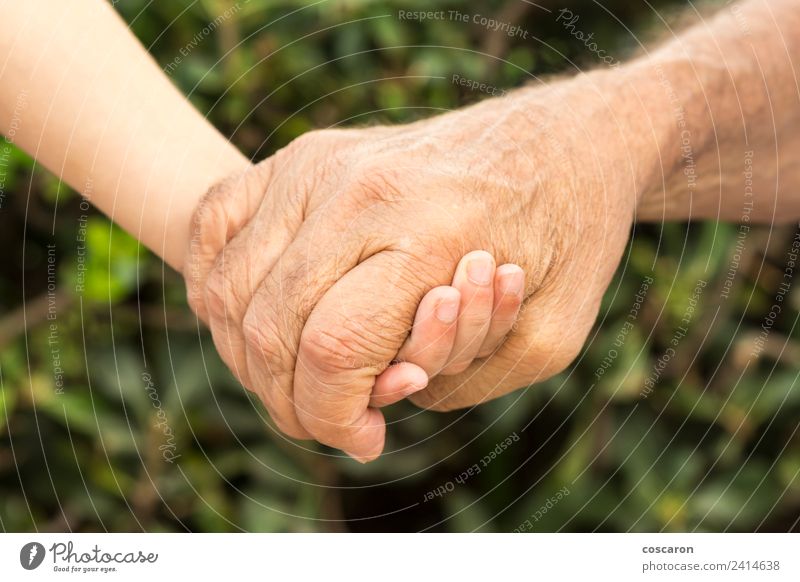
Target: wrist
{"points": [[193, 176], [675, 133], [651, 128], [581, 136]]}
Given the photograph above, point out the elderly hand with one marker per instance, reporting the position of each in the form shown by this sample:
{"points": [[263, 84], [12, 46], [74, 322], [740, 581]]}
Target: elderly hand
{"points": [[309, 267]]}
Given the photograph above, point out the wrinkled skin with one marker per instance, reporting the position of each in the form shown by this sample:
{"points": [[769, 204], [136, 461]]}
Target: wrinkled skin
{"points": [[308, 268]]}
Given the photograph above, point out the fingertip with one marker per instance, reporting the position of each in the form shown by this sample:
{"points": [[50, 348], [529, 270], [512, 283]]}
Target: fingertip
{"points": [[418, 377], [360, 437], [440, 302], [510, 280], [447, 303], [357, 458], [396, 383], [362, 460], [508, 295], [474, 278], [368, 439], [431, 339], [480, 268]]}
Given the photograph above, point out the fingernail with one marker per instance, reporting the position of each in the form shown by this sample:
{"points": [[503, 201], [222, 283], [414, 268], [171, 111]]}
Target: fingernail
{"points": [[447, 311], [512, 283], [418, 382], [480, 271]]}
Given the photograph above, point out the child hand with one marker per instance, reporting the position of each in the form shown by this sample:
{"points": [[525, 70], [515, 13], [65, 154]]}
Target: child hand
{"points": [[454, 325]]}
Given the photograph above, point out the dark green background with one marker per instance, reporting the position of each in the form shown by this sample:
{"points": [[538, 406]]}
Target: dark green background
{"points": [[714, 447]]}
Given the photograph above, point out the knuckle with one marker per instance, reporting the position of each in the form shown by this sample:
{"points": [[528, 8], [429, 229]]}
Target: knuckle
{"points": [[219, 215], [263, 338], [209, 217], [217, 298], [195, 295], [231, 284], [333, 352]]}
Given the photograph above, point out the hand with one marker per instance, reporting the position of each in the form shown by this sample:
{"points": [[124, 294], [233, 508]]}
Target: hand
{"points": [[309, 267], [453, 326]]}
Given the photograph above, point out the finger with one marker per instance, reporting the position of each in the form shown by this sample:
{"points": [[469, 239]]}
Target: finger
{"points": [[274, 318], [350, 336], [233, 281], [507, 369], [434, 331], [396, 383], [425, 350], [546, 340], [231, 289], [474, 279], [231, 284], [509, 286]]}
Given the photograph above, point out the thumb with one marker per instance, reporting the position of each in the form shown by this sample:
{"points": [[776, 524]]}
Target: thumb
{"points": [[351, 336]]}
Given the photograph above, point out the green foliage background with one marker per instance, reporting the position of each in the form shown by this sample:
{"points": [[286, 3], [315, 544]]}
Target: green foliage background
{"points": [[714, 447]]}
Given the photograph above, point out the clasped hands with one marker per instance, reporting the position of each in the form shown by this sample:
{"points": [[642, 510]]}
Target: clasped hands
{"points": [[357, 267]]}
